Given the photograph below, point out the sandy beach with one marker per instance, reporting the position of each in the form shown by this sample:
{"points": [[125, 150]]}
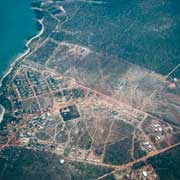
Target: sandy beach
{"points": [[2, 111]]}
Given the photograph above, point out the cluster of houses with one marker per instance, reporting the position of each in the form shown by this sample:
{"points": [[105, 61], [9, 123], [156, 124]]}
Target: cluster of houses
{"points": [[23, 86]]}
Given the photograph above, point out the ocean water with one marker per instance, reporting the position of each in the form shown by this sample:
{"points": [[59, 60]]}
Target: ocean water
{"points": [[17, 23]]}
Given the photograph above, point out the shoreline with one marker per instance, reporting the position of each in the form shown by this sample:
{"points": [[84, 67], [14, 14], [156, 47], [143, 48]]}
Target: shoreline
{"points": [[23, 54], [2, 113]]}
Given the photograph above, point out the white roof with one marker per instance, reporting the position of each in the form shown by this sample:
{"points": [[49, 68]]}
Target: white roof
{"points": [[62, 161], [144, 173], [157, 125]]}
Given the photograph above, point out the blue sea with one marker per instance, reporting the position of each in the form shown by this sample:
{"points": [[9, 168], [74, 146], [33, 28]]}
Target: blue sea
{"points": [[17, 23]]}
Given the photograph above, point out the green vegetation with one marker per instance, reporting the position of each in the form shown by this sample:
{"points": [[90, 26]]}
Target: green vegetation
{"points": [[27, 164], [119, 153], [167, 164], [42, 136], [138, 152], [49, 24], [89, 171], [138, 165], [5, 102], [44, 52], [85, 141], [129, 30]]}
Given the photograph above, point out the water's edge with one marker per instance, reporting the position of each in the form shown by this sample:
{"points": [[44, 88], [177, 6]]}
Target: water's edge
{"points": [[25, 52]]}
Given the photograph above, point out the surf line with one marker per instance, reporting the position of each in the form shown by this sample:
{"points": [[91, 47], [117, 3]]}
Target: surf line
{"points": [[22, 55]]}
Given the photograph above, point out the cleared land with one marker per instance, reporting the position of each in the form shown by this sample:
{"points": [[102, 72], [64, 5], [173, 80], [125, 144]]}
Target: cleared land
{"points": [[97, 97]]}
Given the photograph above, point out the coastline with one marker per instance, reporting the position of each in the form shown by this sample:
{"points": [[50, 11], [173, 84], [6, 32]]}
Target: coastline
{"points": [[23, 54], [2, 113]]}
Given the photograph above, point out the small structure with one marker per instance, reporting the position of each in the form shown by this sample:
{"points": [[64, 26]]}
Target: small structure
{"points": [[160, 129], [62, 9], [175, 79], [157, 125], [145, 174], [61, 161], [146, 143], [158, 138], [149, 148]]}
